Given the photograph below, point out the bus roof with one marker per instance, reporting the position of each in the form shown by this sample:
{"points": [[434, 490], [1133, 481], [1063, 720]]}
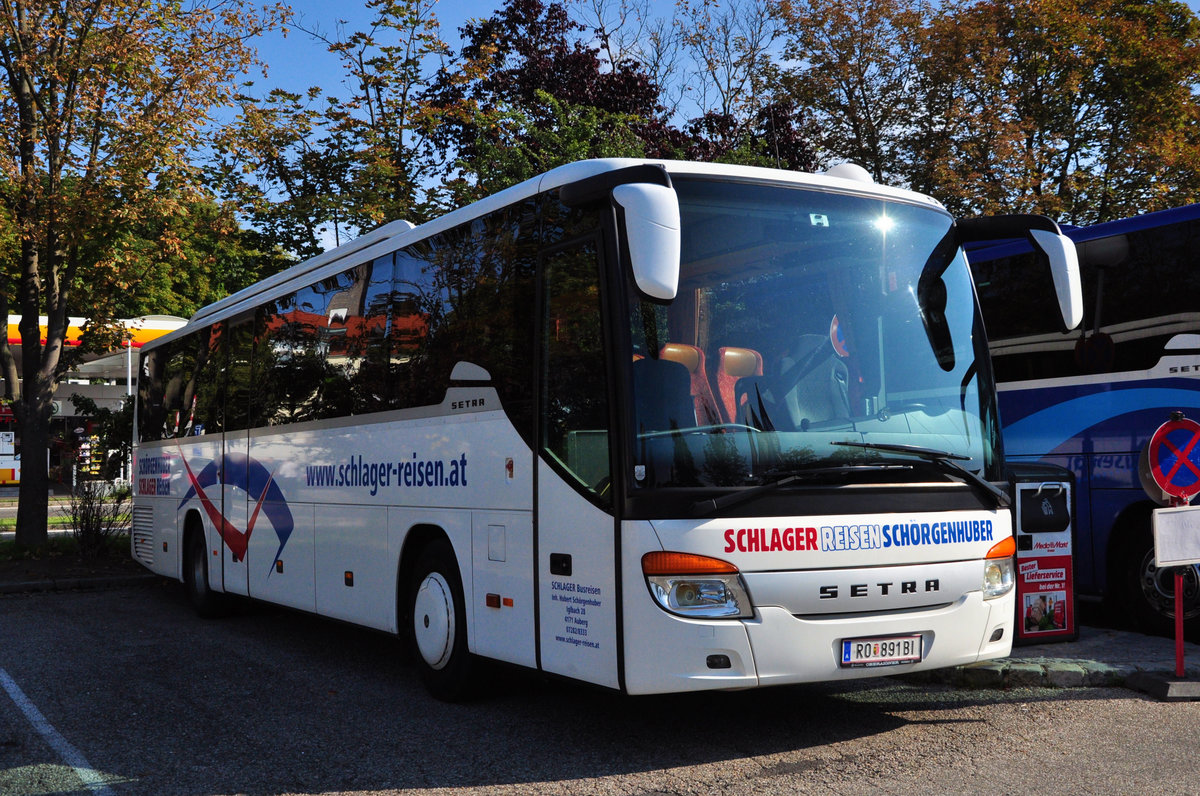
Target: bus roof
{"points": [[397, 234]]}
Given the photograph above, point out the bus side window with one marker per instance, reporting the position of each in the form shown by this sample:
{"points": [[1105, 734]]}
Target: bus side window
{"points": [[417, 312], [367, 346], [1016, 297], [239, 388], [165, 372], [152, 396], [574, 394], [465, 296], [293, 361], [202, 395]]}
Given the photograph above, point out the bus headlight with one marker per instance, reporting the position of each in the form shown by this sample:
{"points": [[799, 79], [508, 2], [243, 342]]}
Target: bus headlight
{"points": [[696, 586], [999, 573]]}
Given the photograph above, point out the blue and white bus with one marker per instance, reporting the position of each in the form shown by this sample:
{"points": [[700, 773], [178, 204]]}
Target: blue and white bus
{"points": [[654, 426], [1089, 399]]}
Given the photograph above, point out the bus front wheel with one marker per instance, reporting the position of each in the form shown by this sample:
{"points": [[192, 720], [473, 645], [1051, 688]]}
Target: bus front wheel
{"points": [[439, 623]]}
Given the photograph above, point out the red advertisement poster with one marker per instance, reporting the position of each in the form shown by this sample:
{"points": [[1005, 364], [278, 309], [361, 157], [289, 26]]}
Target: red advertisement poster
{"points": [[1043, 589]]}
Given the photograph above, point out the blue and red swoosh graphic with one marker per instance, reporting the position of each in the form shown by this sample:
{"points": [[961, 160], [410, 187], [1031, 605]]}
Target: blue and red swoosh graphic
{"points": [[240, 470]]}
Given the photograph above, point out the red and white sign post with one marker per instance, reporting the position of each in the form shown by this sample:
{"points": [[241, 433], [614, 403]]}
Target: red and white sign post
{"points": [[1173, 459]]}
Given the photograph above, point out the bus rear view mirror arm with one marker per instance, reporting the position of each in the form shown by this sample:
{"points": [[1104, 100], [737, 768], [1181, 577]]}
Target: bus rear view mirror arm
{"points": [[1047, 238]]}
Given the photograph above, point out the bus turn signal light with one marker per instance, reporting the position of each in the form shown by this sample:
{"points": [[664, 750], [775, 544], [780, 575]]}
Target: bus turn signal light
{"points": [[1004, 548], [668, 563]]}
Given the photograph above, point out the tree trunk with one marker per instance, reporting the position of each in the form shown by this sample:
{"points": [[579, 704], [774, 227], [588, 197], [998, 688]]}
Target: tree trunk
{"points": [[33, 505]]}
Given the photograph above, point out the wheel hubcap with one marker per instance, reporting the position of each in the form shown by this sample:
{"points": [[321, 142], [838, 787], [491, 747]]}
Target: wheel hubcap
{"points": [[433, 620], [1158, 587]]}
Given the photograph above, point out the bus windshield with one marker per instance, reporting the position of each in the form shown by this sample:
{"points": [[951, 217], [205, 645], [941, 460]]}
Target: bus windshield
{"points": [[805, 319]]}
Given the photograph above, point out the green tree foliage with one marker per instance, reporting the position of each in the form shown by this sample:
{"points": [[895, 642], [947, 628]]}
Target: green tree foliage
{"points": [[175, 264], [285, 170], [309, 167], [386, 66], [103, 102], [518, 147], [528, 90], [525, 83], [853, 65], [1085, 110]]}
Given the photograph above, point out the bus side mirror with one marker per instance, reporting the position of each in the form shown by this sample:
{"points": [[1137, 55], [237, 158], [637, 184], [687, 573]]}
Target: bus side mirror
{"points": [[1064, 269], [1047, 238], [651, 214]]}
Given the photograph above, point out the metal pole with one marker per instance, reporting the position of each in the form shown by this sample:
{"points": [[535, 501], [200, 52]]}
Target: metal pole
{"points": [[1178, 501], [1179, 622]]}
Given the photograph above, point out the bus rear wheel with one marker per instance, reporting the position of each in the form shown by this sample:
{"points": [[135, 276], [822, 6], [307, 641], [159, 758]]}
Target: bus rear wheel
{"points": [[1157, 587], [439, 623], [1151, 590], [208, 604]]}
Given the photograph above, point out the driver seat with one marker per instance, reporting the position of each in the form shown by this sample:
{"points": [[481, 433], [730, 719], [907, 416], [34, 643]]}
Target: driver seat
{"points": [[662, 396], [736, 363], [820, 390], [692, 358]]}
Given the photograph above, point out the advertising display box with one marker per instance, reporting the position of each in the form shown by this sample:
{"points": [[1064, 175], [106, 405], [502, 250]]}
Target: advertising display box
{"points": [[1045, 577]]}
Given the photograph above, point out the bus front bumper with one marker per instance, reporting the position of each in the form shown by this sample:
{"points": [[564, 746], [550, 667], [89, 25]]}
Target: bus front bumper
{"points": [[778, 648]]}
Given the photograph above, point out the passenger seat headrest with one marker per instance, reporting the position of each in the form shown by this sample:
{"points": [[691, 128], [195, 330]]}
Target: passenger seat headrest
{"points": [[686, 355], [739, 362]]}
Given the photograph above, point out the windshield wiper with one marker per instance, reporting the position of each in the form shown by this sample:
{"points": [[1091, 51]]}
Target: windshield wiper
{"points": [[709, 505], [947, 461]]}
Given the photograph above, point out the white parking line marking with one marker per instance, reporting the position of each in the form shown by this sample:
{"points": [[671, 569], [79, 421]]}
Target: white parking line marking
{"points": [[69, 754]]}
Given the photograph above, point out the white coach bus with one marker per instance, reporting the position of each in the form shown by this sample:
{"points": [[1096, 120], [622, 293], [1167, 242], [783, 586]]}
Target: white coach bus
{"points": [[654, 426]]}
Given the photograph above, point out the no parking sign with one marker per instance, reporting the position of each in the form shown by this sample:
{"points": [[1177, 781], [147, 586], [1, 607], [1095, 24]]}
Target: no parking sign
{"points": [[1170, 462], [1173, 458]]}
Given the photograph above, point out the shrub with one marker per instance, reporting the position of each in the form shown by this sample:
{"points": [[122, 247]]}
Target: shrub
{"points": [[98, 513]]}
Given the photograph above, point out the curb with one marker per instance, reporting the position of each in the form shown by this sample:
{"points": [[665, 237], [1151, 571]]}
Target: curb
{"points": [[1037, 673], [76, 584]]}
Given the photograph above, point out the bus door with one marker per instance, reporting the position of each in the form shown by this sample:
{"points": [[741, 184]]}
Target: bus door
{"points": [[235, 460], [576, 566]]}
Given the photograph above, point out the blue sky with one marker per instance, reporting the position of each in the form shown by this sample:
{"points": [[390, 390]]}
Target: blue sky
{"points": [[298, 61]]}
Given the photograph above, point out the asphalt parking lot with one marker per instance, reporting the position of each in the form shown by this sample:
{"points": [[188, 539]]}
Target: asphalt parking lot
{"points": [[137, 695]]}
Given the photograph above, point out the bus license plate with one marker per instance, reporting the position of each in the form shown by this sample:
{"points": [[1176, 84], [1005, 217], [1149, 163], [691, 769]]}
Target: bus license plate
{"points": [[889, 651]]}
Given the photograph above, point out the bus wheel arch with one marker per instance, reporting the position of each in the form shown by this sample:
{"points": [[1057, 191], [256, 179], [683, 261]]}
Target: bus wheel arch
{"points": [[1141, 591], [432, 613], [207, 602]]}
